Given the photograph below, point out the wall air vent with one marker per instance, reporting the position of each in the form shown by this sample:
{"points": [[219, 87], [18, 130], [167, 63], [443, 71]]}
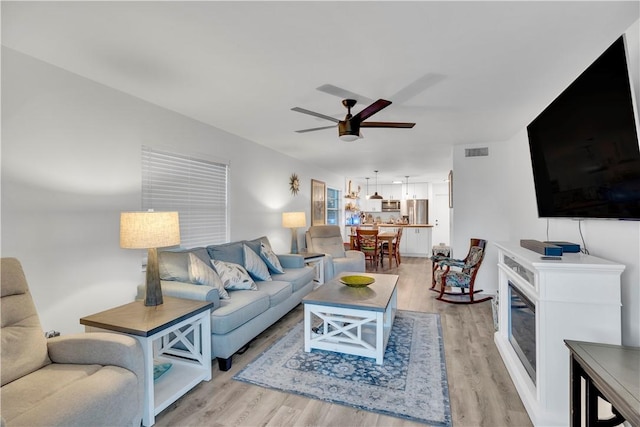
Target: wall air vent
{"points": [[476, 152]]}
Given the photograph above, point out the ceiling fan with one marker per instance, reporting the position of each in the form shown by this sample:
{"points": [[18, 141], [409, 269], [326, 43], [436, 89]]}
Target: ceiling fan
{"points": [[349, 128]]}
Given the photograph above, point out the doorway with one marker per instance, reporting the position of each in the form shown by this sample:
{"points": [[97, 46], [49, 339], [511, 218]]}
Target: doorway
{"points": [[441, 230]]}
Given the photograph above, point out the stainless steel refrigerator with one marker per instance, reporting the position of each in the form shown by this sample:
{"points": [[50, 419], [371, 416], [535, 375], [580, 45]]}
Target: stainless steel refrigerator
{"points": [[416, 209]]}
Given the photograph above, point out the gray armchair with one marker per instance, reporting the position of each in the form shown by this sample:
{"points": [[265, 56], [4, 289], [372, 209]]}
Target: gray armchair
{"points": [[327, 239], [74, 380]]}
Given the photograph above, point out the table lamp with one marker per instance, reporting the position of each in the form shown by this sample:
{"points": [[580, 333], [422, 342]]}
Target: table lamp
{"points": [[293, 220], [150, 230]]}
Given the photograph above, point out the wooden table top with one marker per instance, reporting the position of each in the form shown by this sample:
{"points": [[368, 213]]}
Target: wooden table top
{"points": [[615, 370], [382, 234], [374, 297], [137, 319]]}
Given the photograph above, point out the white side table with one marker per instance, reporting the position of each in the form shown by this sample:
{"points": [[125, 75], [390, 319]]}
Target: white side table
{"points": [[315, 260], [159, 329]]}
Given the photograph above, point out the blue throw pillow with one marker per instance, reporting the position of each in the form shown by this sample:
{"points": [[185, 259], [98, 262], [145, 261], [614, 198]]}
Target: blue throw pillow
{"points": [[255, 265], [271, 259]]}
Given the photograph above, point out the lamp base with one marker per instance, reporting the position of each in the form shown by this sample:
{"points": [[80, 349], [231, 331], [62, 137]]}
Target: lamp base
{"points": [[153, 289], [294, 240]]}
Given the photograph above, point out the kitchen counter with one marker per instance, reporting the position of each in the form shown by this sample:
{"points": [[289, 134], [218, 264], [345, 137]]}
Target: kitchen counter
{"points": [[403, 225], [415, 241]]}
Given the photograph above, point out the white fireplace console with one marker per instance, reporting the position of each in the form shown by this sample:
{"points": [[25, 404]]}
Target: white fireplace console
{"points": [[576, 298]]}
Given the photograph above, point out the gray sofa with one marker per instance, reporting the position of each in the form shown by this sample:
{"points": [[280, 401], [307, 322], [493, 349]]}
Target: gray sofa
{"points": [[73, 380], [327, 239], [236, 320]]}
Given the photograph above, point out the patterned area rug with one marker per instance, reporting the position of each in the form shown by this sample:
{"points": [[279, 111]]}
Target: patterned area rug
{"points": [[411, 384]]}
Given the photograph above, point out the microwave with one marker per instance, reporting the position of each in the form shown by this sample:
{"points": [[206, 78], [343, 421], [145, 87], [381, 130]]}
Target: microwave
{"points": [[391, 206]]}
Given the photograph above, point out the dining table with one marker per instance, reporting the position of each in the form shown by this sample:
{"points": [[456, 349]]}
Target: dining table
{"points": [[384, 236]]}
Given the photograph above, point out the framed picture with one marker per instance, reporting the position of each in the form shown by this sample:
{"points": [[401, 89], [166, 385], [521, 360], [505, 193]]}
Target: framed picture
{"points": [[318, 202], [450, 189]]}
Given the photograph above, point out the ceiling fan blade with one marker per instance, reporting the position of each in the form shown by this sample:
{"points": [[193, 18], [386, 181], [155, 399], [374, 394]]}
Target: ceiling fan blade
{"points": [[313, 129], [386, 125], [343, 93], [416, 87], [371, 110], [313, 113]]}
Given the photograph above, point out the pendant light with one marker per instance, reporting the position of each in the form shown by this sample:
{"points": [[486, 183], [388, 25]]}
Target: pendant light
{"points": [[406, 196], [376, 196], [367, 193]]}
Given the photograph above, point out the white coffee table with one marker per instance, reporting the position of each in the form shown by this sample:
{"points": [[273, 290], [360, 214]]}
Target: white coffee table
{"points": [[354, 321]]}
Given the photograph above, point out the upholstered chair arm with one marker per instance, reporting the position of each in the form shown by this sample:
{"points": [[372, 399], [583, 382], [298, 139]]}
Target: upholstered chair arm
{"points": [[98, 348], [354, 254], [440, 258], [291, 260], [171, 288], [329, 270]]}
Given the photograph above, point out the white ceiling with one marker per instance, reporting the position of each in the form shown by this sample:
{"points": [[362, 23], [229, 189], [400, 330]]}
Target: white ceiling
{"points": [[489, 67]]}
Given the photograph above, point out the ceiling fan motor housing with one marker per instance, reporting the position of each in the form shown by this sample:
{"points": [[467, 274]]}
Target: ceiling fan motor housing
{"points": [[349, 127]]}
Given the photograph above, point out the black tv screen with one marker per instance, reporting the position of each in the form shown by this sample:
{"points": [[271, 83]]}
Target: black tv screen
{"points": [[584, 146]]}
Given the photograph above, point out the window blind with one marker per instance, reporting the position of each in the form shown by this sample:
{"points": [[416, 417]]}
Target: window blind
{"points": [[195, 187]]}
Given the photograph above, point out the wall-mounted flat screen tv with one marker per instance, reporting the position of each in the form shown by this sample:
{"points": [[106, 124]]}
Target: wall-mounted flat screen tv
{"points": [[584, 146]]}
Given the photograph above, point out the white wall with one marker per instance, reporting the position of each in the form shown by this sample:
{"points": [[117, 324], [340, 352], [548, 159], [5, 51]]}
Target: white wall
{"points": [[71, 163], [494, 198]]}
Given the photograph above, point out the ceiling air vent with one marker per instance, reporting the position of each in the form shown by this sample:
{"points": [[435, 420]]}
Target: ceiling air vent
{"points": [[476, 152]]}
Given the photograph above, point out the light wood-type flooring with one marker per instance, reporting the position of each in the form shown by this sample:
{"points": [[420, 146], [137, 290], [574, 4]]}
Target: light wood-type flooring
{"points": [[480, 389]]}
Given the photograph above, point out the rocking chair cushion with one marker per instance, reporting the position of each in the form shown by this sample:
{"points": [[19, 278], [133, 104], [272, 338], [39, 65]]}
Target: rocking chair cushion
{"points": [[457, 279]]}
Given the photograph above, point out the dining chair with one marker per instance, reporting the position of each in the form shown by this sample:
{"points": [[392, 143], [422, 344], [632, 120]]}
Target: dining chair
{"points": [[369, 244], [395, 247]]}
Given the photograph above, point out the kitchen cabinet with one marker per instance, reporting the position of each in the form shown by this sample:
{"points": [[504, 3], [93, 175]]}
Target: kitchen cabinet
{"points": [[418, 190], [391, 191], [416, 242], [371, 205]]}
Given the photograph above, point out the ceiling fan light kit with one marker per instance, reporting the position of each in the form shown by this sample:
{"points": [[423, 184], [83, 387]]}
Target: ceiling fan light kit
{"points": [[348, 131]]}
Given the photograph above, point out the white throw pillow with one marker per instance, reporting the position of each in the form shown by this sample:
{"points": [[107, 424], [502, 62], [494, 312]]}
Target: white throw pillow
{"points": [[201, 274], [255, 265], [233, 276], [271, 259]]}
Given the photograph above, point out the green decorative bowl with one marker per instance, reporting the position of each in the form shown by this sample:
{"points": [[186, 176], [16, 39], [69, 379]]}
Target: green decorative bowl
{"points": [[357, 281]]}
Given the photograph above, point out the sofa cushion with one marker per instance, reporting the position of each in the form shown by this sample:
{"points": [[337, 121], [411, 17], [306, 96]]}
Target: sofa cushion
{"points": [[255, 265], [202, 274], [174, 264], [23, 348], [298, 277], [233, 276], [242, 306], [278, 291], [228, 252]]}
